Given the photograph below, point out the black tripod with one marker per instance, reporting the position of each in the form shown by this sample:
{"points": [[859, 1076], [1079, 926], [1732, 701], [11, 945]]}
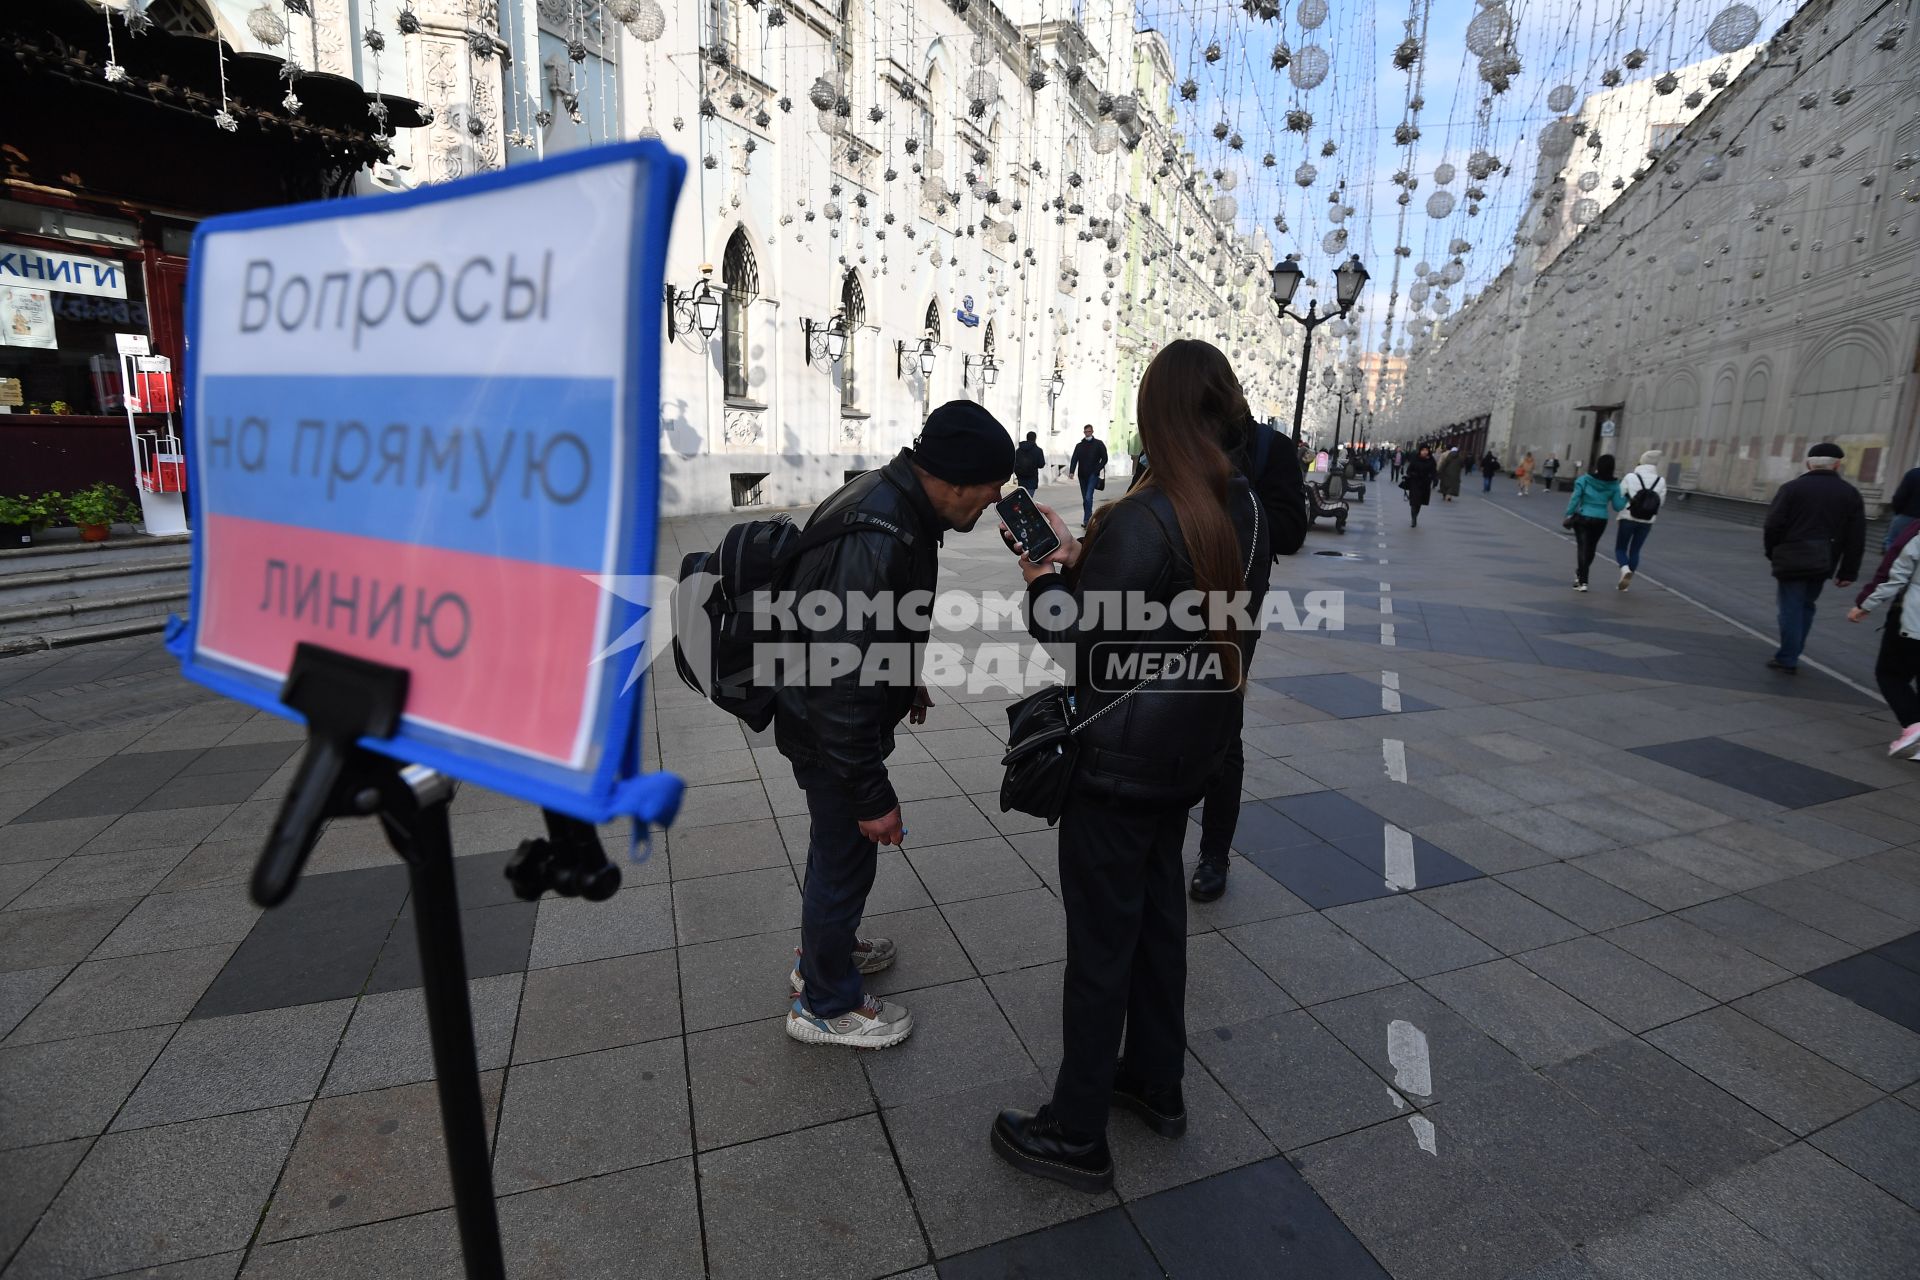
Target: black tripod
{"points": [[345, 699]]}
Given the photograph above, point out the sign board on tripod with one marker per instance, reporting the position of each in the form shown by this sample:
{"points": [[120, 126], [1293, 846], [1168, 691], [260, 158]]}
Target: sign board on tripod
{"points": [[423, 431]]}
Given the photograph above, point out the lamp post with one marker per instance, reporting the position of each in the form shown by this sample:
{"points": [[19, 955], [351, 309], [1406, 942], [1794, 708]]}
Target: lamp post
{"points": [[1284, 281], [699, 304], [1056, 387]]}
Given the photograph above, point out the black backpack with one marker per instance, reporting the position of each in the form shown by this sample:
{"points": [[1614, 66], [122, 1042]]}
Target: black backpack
{"points": [[1645, 502], [720, 585]]}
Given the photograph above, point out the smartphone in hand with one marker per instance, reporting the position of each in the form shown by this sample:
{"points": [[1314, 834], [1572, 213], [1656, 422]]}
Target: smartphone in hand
{"points": [[1029, 528]]}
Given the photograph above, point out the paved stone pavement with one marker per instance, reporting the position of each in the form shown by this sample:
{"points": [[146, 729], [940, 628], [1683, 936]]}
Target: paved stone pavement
{"points": [[1595, 958]]}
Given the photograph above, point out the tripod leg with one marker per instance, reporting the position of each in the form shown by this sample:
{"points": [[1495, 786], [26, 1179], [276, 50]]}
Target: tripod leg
{"points": [[443, 966]]}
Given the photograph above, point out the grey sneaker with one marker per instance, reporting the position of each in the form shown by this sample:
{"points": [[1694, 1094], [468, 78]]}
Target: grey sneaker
{"points": [[876, 1024], [870, 955]]}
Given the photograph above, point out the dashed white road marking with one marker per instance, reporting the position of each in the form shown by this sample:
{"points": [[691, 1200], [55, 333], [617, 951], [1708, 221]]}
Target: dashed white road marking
{"points": [[1395, 753], [1386, 633], [1386, 604], [1385, 587], [1399, 859]]}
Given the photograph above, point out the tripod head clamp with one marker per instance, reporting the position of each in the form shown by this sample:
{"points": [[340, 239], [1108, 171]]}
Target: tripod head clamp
{"points": [[569, 861]]}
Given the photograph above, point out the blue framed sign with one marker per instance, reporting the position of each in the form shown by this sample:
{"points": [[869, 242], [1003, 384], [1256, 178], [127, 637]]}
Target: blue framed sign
{"points": [[423, 429]]}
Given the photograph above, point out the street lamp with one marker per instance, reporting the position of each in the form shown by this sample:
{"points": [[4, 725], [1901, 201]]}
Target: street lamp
{"points": [[924, 353], [699, 304], [1283, 282], [832, 334], [990, 371]]}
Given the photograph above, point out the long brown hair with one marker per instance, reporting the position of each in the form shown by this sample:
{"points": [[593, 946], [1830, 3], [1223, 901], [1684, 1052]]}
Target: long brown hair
{"points": [[1189, 402]]}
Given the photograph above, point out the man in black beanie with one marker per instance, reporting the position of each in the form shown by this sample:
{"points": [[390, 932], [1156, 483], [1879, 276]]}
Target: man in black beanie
{"points": [[838, 733]]}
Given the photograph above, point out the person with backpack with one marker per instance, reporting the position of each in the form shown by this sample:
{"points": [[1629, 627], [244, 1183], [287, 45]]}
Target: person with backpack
{"points": [[1144, 752], [1816, 528], [1550, 470], [1596, 496], [1897, 669], [1644, 490], [1257, 452], [1027, 462], [837, 735]]}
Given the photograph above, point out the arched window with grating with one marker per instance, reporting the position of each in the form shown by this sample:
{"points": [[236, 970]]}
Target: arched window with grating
{"points": [[740, 285], [1837, 394], [853, 313], [931, 325], [986, 340]]}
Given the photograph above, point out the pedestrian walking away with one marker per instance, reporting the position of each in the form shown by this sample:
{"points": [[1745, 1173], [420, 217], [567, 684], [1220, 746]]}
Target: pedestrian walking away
{"points": [[1264, 457], [1550, 470], [1144, 753], [1399, 464], [837, 735], [1596, 496], [1897, 669], [1904, 506], [1645, 492], [1450, 468], [1489, 468], [1523, 475], [1088, 462], [1816, 528], [1028, 462], [1419, 481]]}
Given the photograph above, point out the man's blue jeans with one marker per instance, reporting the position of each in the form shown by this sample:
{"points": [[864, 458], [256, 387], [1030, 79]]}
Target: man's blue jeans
{"points": [[1486, 482], [840, 869], [1797, 596], [1086, 498], [1631, 536]]}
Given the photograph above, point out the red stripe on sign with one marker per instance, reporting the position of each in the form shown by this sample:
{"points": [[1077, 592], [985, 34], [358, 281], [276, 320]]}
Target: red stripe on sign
{"points": [[499, 650]]}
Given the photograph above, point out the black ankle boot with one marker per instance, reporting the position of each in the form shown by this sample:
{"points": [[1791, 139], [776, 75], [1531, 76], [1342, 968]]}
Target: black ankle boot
{"points": [[1209, 880], [1034, 1143], [1163, 1109]]}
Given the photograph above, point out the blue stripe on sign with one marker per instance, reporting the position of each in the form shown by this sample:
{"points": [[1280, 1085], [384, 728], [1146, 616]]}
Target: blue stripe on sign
{"points": [[518, 467]]}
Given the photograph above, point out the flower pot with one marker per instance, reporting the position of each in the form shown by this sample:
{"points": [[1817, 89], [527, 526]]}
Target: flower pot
{"points": [[94, 532], [15, 535]]}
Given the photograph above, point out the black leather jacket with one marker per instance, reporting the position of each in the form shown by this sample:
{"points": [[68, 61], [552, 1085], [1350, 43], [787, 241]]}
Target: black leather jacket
{"points": [[847, 726], [1160, 745]]}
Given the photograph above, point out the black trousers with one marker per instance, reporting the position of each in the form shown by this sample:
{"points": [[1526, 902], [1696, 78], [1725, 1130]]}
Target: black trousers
{"points": [[1121, 883], [841, 864], [1220, 810], [1897, 670], [1587, 532]]}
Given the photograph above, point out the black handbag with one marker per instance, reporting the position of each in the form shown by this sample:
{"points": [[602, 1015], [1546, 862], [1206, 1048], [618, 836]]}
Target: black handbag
{"points": [[1100, 482], [1041, 750]]}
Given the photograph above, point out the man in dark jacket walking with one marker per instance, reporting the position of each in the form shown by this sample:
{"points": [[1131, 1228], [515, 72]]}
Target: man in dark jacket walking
{"points": [[1816, 529], [1088, 461], [1904, 507], [837, 734], [1272, 466], [1027, 462]]}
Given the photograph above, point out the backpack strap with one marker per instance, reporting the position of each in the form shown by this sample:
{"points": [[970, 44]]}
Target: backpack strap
{"points": [[1262, 447], [851, 520]]}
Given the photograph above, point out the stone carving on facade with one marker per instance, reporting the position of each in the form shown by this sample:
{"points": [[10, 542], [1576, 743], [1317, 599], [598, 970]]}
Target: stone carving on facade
{"points": [[332, 37], [744, 431]]}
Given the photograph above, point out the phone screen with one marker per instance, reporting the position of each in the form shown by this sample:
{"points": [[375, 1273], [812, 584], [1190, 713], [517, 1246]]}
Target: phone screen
{"points": [[1029, 528]]}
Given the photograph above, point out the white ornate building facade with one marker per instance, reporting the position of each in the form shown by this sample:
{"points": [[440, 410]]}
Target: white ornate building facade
{"points": [[1755, 288]]}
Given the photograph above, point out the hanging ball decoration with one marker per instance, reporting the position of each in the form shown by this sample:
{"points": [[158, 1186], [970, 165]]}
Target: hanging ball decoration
{"points": [[822, 94], [1106, 136], [1225, 208], [1310, 67], [1269, 160], [1189, 89], [1213, 52], [1586, 210], [1311, 14], [1666, 83], [982, 51], [1334, 241], [1336, 214], [1281, 56], [1488, 33], [983, 86], [1734, 27], [1299, 121], [1443, 174], [268, 27], [1305, 174], [650, 23], [1560, 97], [1768, 192], [1588, 180], [1036, 79], [621, 11], [1712, 169], [1439, 204]]}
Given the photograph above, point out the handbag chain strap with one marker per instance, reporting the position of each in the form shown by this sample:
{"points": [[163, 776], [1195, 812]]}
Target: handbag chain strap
{"points": [[1246, 576]]}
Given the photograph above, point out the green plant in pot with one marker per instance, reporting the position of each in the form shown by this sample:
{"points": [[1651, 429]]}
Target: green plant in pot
{"points": [[22, 514], [96, 507]]}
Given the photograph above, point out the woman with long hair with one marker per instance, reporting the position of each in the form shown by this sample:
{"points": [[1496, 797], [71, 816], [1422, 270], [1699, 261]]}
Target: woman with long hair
{"points": [[1596, 496], [1150, 732]]}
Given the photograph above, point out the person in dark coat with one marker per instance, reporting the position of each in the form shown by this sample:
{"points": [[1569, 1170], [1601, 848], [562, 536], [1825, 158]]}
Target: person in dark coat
{"points": [[1815, 529], [1419, 480], [1904, 507], [1489, 468], [1269, 461], [1450, 468], [1088, 461], [1027, 462], [1145, 754]]}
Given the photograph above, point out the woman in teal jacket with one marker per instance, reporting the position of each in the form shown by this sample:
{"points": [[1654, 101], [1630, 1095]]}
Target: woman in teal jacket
{"points": [[1596, 496]]}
